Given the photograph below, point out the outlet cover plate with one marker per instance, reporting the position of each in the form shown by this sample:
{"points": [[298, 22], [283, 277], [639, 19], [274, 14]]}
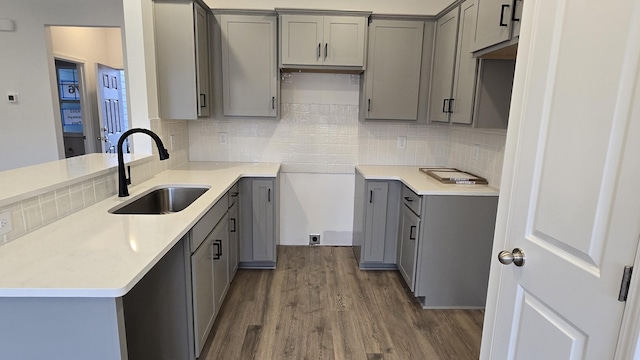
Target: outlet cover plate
{"points": [[314, 239], [5, 223]]}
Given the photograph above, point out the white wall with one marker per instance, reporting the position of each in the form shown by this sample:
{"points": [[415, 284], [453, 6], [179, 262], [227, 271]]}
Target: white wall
{"points": [[414, 7], [28, 133], [316, 204]]}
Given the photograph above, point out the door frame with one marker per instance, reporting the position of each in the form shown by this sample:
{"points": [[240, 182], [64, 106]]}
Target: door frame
{"points": [[88, 124]]}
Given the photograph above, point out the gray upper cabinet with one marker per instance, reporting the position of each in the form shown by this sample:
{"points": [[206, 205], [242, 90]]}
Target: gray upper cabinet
{"points": [[476, 92], [461, 103], [497, 22], [249, 65], [182, 59], [392, 84], [443, 67], [322, 40]]}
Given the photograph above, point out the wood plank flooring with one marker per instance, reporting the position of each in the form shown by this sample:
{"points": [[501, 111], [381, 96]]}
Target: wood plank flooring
{"points": [[317, 304]]}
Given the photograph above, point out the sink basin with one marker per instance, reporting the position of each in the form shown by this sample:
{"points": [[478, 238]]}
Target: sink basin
{"points": [[163, 200]]}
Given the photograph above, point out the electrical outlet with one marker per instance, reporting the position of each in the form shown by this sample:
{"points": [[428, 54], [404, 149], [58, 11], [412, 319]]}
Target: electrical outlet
{"points": [[5, 223], [222, 138], [402, 142], [314, 239]]}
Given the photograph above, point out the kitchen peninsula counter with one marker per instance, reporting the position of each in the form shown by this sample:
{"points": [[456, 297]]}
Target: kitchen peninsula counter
{"points": [[93, 253]]}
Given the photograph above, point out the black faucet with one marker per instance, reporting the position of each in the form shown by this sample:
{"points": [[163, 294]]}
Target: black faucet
{"points": [[123, 181]]}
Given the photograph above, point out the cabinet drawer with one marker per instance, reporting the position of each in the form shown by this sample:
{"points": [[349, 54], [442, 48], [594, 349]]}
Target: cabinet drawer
{"points": [[204, 226], [234, 192], [412, 200]]}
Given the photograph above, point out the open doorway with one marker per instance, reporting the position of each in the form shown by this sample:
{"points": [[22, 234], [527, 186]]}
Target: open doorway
{"points": [[70, 86], [91, 106]]}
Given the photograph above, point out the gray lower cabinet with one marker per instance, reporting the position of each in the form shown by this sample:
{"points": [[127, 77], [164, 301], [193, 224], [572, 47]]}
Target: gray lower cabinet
{"points": [[391, 84], [454, 251], [249, 68], [209, 269], [234, 239], [204, 308], [259, 219], [408, 235], [220, 238], [156, 313], [375, 222]]}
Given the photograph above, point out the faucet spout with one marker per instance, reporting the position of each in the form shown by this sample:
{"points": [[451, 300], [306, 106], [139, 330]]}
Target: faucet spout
{"points": [[123, 181]]}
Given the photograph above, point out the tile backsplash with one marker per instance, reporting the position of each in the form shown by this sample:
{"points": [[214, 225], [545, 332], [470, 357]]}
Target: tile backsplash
{"points": [[480, 151], [30, 214], [319, 132], [321, 138]]}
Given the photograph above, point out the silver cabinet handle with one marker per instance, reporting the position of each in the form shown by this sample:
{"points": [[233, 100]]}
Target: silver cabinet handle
{"points": [[516, 257]]}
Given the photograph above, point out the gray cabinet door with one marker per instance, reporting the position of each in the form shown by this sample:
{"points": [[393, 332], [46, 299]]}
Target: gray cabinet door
{"points": [[494, 23], [220, 238], [263, 209], [466, 66], [395, 58], [443, 66], [203, 293], [202, 59], [344, 40], [233, 240], [249, 65], [301, 39], [409, 230], [375, 221], [176, 60]]}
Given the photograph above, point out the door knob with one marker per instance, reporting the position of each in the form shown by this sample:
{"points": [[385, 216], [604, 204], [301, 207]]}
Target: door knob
{"points": [[516, 257]]}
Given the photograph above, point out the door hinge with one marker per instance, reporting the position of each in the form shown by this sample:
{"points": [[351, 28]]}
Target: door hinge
{"points": [[624, 285]]}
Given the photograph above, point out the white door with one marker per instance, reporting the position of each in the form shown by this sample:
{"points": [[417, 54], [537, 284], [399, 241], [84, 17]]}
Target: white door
{"points": [[110, 102], [569, 196]]}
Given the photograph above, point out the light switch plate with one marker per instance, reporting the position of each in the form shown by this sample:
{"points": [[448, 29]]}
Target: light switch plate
{"points": [[5, 223]]}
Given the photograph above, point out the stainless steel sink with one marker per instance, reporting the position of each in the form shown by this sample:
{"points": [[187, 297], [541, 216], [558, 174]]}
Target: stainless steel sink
{"points": [[163, 200]]}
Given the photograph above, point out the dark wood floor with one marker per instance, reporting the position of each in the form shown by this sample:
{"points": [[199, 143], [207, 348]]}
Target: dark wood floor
{"points": [[318, 305]]}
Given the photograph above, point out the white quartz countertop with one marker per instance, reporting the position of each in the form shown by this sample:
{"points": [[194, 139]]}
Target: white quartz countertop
{"points": [[421, 183], [93, 253]]}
